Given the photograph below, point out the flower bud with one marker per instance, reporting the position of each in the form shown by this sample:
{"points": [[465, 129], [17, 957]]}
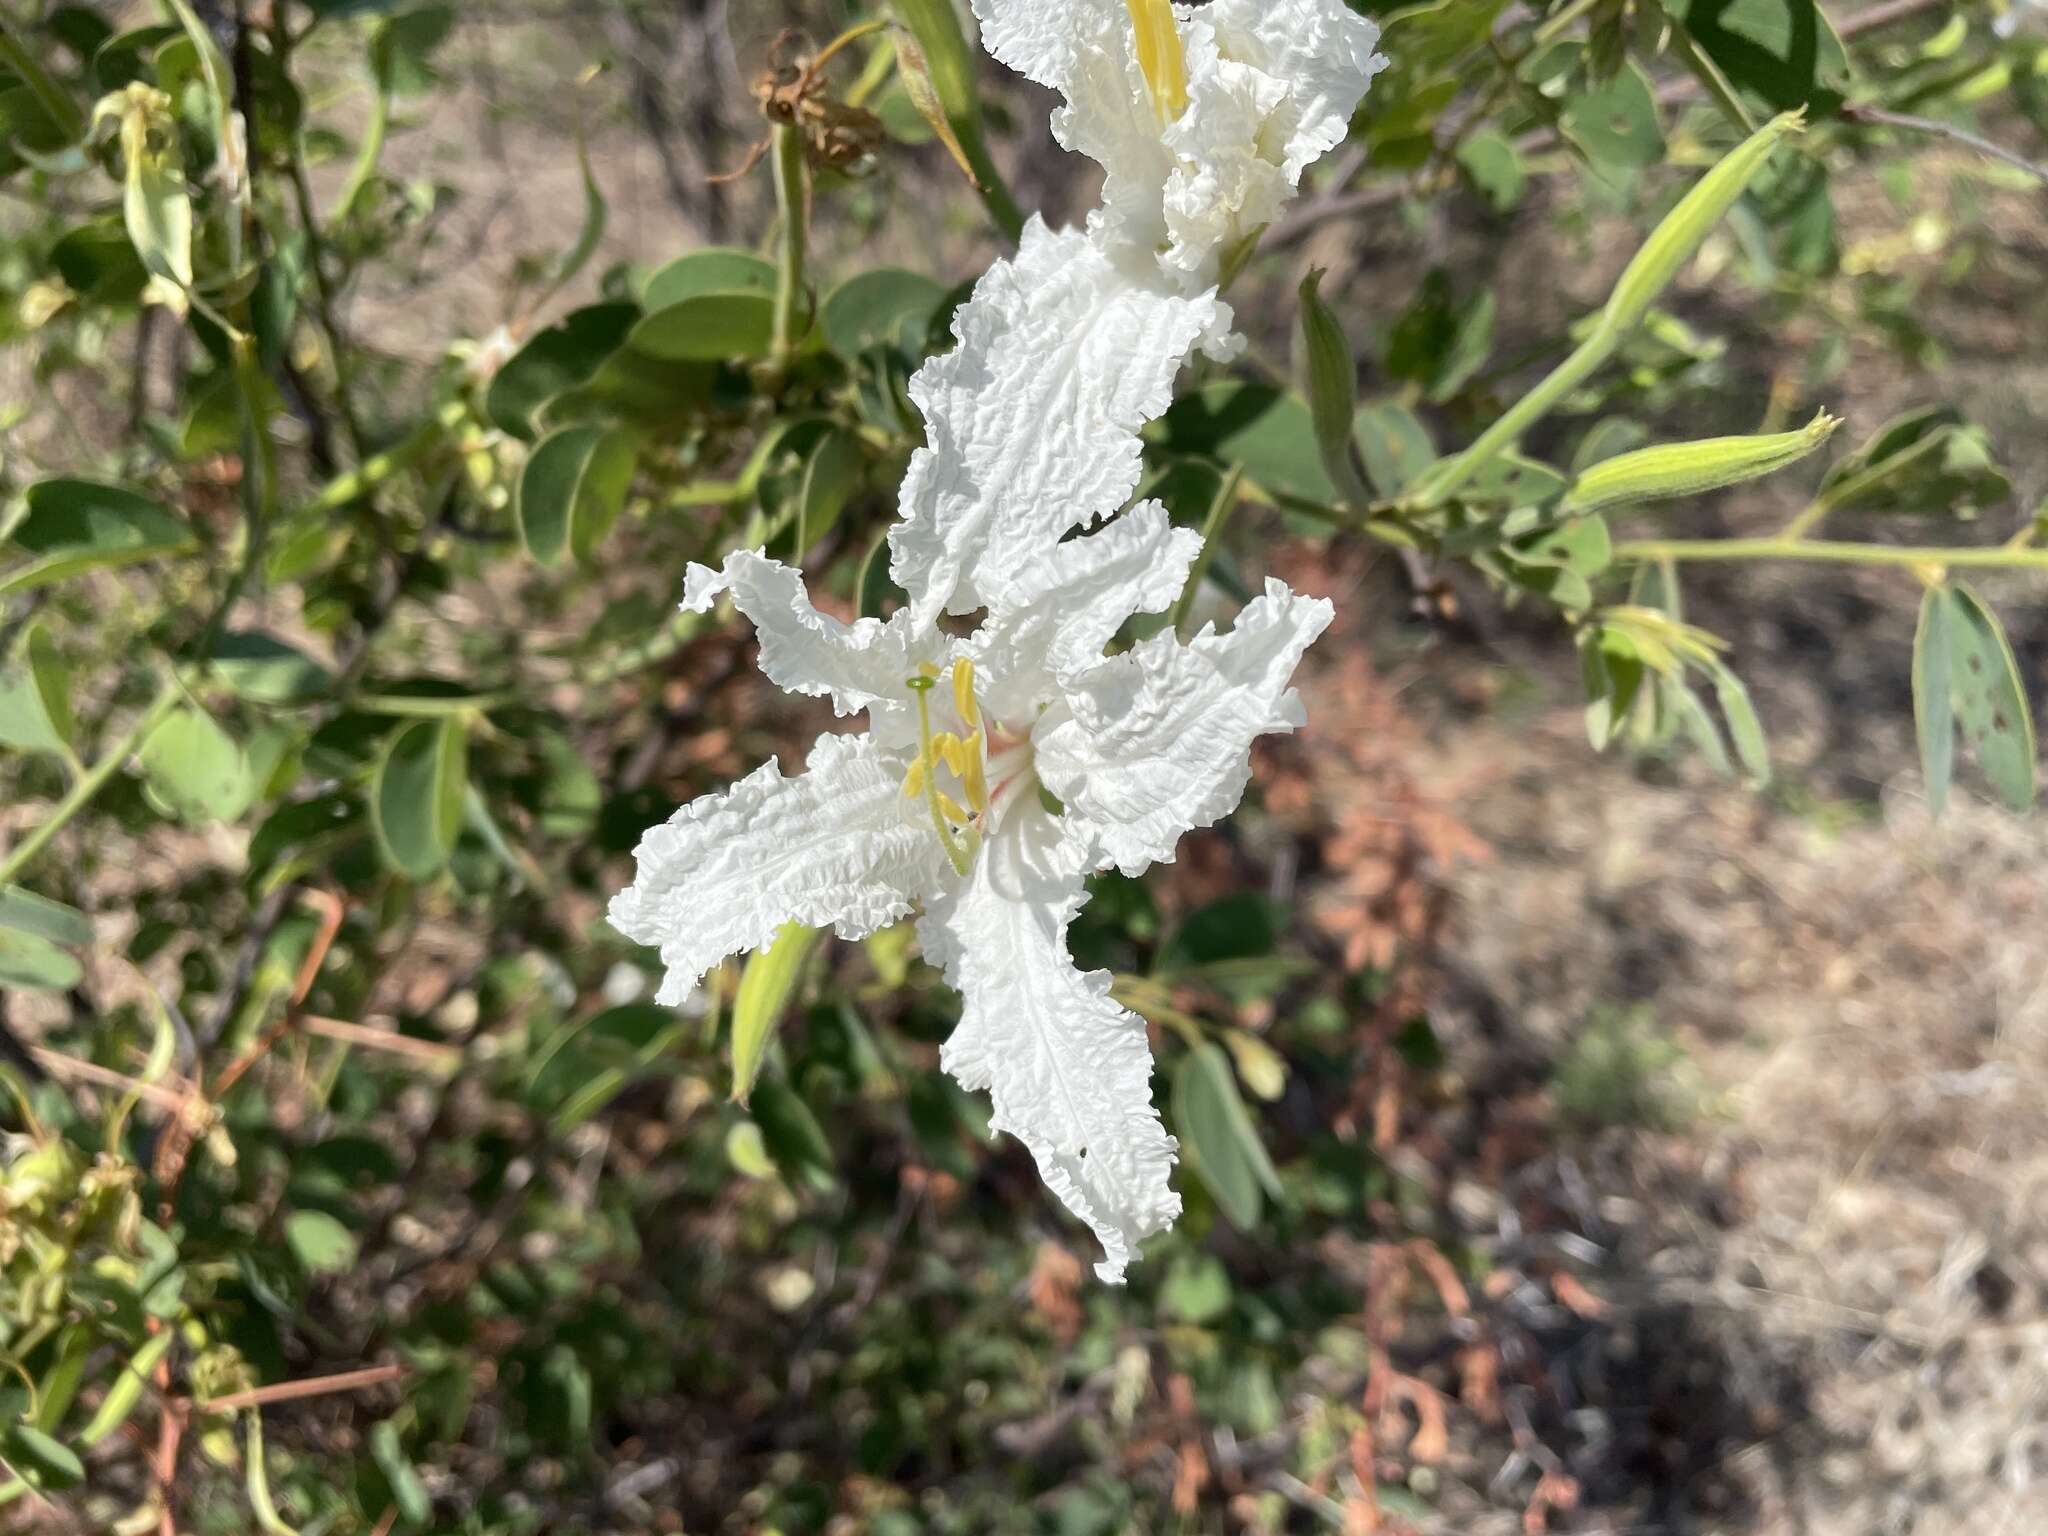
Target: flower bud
{"points": [[1675, 240], [1687, 469]]}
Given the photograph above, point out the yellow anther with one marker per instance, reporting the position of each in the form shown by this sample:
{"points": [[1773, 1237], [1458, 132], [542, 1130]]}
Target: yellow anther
{"points": [[1161, 56], [928, 671], [913, 781], [950, 808], [963, 692], [976, 780]]}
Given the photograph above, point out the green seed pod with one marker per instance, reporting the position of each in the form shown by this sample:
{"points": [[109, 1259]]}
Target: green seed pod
{"points": [[1687, 469], [1688, 225]]}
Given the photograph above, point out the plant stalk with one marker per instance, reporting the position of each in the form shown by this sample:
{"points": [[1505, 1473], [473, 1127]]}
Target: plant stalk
{"points": [[96, 778]]}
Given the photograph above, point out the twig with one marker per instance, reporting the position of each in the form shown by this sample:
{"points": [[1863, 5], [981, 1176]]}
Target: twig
{"points": [[57, 1064], [445, 1057], [294, 1391], [1935, 128]]}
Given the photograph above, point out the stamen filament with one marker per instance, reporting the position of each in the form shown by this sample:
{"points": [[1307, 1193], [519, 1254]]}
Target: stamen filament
{"points": [[960, 855]]}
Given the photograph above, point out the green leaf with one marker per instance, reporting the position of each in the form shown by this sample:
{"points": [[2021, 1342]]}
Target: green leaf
{"points": [[1268, 431], [794, 1138], [573, 489], [266, 670], [1744, 728], [766, 987], [1934, 711], [874, 585], [1222, 1142], [1991, 701], [886, 306], [1395, 445], [417, 795], [24, 724], [1926, 463], [715, 269], [1783, 52], [709, 327], [42, 1461], [1197, 1290], [833, 473], [322, 1245], [1615, 122], [567, 354], [26, 912], [34, 964], [52, 681], [195, 771], [1491, 162], [407, 1491], [74, 526]]}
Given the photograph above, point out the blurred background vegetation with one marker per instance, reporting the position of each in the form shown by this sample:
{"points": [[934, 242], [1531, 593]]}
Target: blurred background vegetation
{"points": [[1573, 1142]]}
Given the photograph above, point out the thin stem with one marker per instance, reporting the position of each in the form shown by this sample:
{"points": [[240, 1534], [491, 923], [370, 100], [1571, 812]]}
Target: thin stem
{"points": [[379, 468], [1711, 79], [259, 486], [1938, 129], [792, 198], [1693, 550], [316, 259], [1212, 533], [96, 779], [1439, 486]]}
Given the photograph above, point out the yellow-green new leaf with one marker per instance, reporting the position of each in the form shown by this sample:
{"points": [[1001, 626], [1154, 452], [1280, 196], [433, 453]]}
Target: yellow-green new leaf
{"points": [[766, 987]]}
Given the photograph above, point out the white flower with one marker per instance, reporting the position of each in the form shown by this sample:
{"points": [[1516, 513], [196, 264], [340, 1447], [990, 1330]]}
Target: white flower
{"points": [[1204, 119], [938, 806], [998, 771], [1067, 349]]}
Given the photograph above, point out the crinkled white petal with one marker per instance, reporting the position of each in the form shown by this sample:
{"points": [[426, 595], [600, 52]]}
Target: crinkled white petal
{"points": [[1272, 85], [857, 666], [1221, 185], [1157, 742], [1032, 421], [1068, 1070], [1079, 598], [1041, 39], [1325, 52], [840, 846]]}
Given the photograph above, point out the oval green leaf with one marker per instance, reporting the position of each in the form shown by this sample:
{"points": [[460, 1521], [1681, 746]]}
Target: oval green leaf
{"points": [[417, 795], [573, 489], [195, 771], [886, 307], [560, 358], [709, 327], [1991, 701], [1222, 1142], [716, 269], [74, 526]]}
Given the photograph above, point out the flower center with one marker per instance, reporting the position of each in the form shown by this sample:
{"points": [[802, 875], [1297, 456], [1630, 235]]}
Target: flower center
{"points": [[1161, 56], [963, 755]]}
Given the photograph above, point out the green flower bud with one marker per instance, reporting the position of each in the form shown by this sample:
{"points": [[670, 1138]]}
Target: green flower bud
{"points": [[1684, 229], [1686, 469]]}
